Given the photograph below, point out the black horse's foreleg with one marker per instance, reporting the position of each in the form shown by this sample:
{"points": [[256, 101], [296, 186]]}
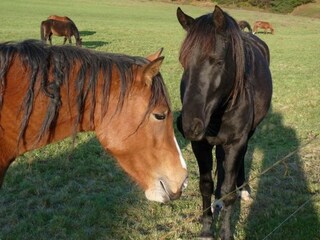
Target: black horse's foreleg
{"points": [[220, 174], [203, 153], [233, 159], [244, 191]]}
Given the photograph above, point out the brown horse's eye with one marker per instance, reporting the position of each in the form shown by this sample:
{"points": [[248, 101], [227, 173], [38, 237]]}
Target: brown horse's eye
{"points": [[159, 116]]}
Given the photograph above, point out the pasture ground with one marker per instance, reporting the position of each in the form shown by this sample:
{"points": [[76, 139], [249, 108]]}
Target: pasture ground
{"points": [[62, 193]]}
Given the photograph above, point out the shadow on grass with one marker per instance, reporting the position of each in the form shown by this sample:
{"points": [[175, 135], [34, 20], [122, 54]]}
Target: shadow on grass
{"points": [[280, 191], [263, 32], [86, 33], [94, 44], [81, 194]]}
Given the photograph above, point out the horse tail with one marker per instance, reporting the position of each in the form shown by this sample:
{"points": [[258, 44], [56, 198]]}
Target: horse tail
{"points": [[42, 32]]}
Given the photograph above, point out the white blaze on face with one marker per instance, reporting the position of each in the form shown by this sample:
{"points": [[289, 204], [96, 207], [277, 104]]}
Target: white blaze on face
{"points": [[158, 193], [183, 162]]}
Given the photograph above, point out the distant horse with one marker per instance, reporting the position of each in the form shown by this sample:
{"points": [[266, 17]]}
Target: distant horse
{"points": [[63, 90], [226, 91], [243, 25], [263, 25], [60, 18], [59, 28]]}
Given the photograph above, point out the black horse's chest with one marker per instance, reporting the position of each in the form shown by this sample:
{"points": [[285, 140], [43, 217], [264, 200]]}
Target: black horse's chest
{"points": [[229, 125]]}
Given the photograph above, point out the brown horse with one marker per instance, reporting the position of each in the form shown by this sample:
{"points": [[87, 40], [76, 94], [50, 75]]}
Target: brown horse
{"points": [[60, 18], [59, 28], [263, 25], [63, 90], [243, 25]]}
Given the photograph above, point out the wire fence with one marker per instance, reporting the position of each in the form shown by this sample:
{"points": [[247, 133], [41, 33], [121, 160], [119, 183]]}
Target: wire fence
{"points": [[282, 160]]}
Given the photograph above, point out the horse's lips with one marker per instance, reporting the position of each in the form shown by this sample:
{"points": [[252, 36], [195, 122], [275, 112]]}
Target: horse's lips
{"points": [[164, 188], [170, 194]]}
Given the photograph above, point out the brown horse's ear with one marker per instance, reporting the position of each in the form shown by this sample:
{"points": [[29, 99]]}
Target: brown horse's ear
{"points": [[155, 55], [184, 19], [151, 70], [219, 19]]}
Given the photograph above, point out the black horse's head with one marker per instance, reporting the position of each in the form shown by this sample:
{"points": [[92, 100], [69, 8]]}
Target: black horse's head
{"points": [[213, 62]]}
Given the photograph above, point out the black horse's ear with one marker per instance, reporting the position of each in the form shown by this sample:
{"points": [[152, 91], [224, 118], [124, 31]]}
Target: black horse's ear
{"points": [[184, 19], [219, 19]]}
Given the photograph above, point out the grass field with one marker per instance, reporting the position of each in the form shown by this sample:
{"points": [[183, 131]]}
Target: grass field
{"points": [[62, 193]]}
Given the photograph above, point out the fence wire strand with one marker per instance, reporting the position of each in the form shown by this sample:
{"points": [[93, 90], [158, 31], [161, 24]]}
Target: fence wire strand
{"points": [[290, 216]]}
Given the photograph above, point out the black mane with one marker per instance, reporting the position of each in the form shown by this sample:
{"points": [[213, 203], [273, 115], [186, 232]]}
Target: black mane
{"points": [[39, 58]]}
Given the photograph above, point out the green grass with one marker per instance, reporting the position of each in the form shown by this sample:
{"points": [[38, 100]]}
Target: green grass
{"points": [[62, 193]]}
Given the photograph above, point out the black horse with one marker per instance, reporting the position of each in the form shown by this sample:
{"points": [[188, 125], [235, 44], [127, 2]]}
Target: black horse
{"points": [[226, 91]]}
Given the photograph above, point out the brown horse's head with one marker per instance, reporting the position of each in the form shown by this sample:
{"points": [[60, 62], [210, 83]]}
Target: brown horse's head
{"points": [[65, 90], [141, 135]]}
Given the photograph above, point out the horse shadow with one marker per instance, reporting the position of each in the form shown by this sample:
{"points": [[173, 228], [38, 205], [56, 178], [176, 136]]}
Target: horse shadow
{"points": [[85, 177], [87, 33], [94, 44], [279, 192], [263, 32], [282, 189]]}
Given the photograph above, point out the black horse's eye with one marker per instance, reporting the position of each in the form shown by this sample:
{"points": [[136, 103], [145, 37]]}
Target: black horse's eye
{"points": [[219, 62], [160, 116], [215, 61], [212, 60]]}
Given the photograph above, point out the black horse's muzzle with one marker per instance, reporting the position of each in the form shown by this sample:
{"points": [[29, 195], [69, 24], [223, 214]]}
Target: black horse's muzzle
{"points": [[193, 130]]}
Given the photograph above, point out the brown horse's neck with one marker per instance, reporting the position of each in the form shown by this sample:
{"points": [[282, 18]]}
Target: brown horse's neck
{"points": [[70, 117]]}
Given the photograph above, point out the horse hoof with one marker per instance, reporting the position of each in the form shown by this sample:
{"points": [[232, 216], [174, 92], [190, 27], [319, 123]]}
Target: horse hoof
{"points": [[245, 195], [205, 238], [206, 235], [217, 206]]}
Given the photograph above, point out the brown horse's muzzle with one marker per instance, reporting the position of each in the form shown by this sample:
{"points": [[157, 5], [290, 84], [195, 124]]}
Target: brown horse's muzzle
{"points": [[163, 192]]}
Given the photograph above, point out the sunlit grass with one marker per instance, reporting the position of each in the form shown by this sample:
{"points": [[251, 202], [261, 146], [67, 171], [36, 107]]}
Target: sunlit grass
{"points": [[63, 193]]}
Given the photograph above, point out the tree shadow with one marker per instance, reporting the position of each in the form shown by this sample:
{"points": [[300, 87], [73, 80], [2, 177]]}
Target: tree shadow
{"points": [[77, 195], [283, 189]]}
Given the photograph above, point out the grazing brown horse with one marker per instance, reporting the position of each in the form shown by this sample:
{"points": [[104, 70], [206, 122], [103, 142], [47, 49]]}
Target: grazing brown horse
{"points": [[262, 25], [63, 90], [59, 28], [243, 25], [60, 18]]}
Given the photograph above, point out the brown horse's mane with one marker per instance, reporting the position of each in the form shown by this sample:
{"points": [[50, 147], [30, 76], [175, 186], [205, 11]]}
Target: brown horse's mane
{"points": [[39, 58], [203, 33]]}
